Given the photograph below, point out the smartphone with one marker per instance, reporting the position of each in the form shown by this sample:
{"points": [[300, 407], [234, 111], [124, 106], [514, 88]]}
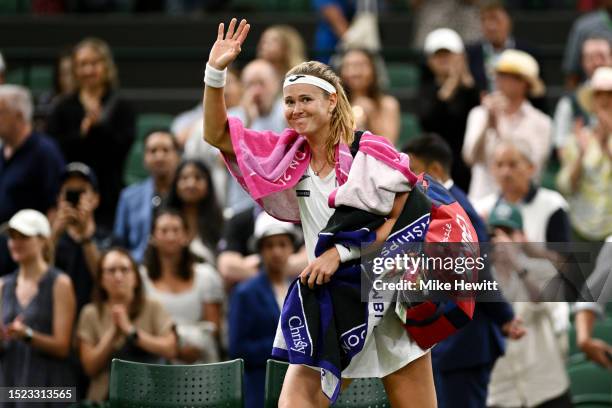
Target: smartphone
{"points": [[73, 197]]}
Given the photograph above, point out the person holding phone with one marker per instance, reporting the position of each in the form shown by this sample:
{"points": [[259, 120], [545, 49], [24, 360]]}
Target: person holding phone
{"points": [[75, 235]]}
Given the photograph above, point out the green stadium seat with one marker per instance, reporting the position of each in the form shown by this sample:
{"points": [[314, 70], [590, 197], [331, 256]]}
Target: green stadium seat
{"points": [[134, 167], [294, 5], [40, 78], [403, 75], [592, 400], [154, 385], [409, 129], [16, 76], [37, 78], [275, 375], [592, 404], [589, 382], [549, 175], [15, 6], [362, 393]]}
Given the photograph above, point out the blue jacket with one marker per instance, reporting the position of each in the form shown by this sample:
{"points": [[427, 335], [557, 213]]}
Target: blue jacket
{"points": [[481, 340], [134, 217], [253, 318]]}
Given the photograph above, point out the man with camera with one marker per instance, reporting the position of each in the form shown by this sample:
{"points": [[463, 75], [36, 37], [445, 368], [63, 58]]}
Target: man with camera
{"points": [[75, 235]]}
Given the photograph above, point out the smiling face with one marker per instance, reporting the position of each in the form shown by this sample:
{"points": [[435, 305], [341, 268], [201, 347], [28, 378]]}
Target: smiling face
{"points": [[511, 169], [161, 156], [170, 234], [118, 277], [512, 86], [24, 248], [89, 67], [308, 108], [192, 186], [271, 46], [595, 53], [357, 71]]}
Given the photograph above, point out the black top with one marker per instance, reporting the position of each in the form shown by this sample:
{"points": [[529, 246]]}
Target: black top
{"points": [[104, 148], [449, 120], [21, 364], [70, 258], [237, 232], [31, 177]]}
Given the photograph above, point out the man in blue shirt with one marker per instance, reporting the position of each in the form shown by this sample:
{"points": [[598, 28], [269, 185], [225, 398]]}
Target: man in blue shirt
{"points": [[30, 163], [138, 202]]}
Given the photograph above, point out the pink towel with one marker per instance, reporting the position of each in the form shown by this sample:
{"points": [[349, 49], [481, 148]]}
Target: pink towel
{"points": [[268, 165]]}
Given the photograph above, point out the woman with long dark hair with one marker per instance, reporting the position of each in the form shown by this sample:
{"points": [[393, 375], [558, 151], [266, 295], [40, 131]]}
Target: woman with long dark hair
{"points": [[190, 291], [193, 195]]}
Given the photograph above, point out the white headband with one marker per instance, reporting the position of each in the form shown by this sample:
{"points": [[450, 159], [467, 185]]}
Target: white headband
{"points": [[310, 80]]}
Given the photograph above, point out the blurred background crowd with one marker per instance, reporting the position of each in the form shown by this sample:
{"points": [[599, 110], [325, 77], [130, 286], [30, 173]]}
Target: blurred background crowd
{"points": [[125, 236]]}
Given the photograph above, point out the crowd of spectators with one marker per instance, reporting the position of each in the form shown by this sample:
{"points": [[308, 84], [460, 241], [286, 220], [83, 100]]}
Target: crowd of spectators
{"points": [[183, 267]]}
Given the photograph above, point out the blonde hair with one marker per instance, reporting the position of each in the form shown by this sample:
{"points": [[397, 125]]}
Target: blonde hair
{"points": [[102, 48], [342, 126], [295, 50], [48, 251]]}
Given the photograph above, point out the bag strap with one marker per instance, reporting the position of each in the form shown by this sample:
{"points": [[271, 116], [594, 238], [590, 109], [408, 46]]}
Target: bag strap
{"points": [[355, 145]]}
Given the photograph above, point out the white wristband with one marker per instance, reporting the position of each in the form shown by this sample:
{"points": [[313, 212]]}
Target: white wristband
{"points": [[214, 77], [348, 254]]}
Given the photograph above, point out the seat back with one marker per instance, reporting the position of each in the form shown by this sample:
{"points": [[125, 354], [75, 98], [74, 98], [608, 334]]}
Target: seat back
{"points": [[154, 385], [588, 379], [362, 393], [145, 123]]}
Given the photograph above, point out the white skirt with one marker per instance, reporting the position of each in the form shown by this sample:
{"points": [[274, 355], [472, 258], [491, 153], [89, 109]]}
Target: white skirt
{"points": [[387, 347]]}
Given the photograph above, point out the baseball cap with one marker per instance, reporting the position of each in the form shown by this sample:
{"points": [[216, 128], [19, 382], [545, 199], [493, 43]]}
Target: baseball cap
{"points": [[506, 215], [78, 169], [443, 39], [267, 226], [30, 223]]}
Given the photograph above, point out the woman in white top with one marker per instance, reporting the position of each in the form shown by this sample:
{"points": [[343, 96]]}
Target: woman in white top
{"points": [[192, 293], [316, 107]]}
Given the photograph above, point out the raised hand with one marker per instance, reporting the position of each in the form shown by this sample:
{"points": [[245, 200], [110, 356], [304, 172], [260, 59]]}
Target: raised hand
{"points": [[225, 50]]}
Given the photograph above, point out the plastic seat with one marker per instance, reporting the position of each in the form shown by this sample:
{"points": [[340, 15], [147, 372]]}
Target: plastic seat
{"points": [[590, 382], [41, 78], [592, 401], [409, 129], [16, 76], [15, 6], [403, 75], [156, 386], [146, 122], [362, 393]]}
